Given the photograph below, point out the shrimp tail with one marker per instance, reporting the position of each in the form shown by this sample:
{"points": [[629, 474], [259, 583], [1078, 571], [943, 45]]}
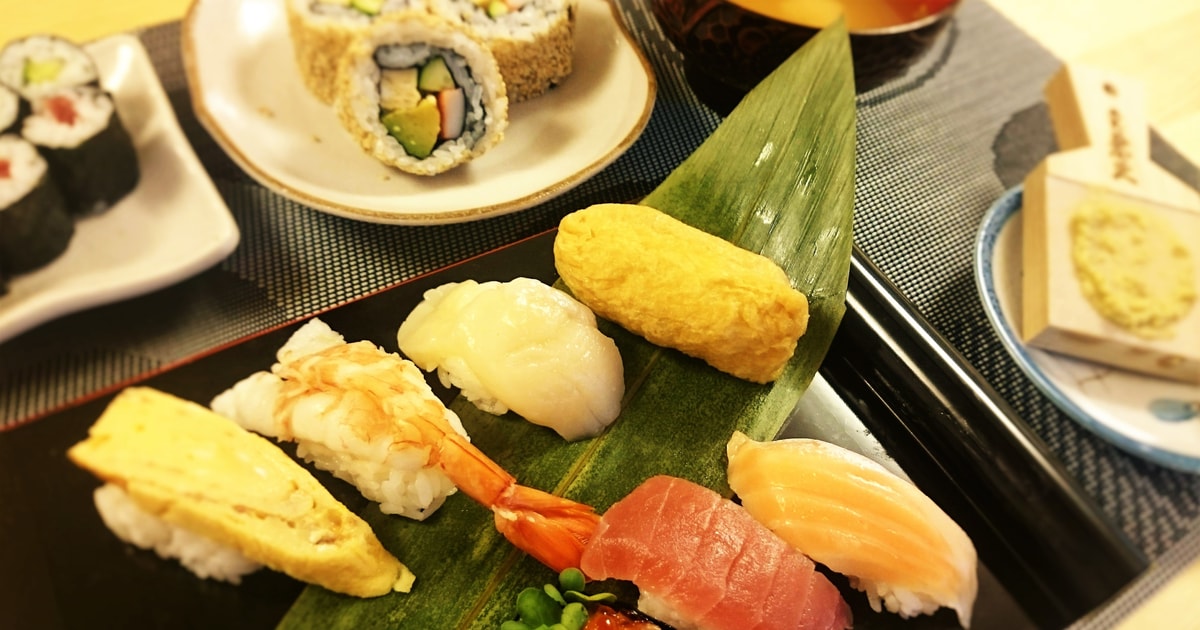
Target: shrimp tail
{"points": [[552, 529]]}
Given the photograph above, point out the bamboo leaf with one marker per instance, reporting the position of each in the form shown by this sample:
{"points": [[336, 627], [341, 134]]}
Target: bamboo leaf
{"points": [[776, 177]]}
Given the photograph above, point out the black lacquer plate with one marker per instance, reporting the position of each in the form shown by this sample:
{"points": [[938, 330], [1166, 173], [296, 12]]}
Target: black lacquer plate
{"points": [[1047, 555]]}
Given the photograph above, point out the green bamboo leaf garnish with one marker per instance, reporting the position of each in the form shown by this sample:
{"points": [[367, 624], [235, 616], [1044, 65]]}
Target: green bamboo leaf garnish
{"points": [[777, 177]]}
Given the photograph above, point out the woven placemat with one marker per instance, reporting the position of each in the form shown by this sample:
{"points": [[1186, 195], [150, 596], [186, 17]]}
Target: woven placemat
{"points": [[935, 149]]}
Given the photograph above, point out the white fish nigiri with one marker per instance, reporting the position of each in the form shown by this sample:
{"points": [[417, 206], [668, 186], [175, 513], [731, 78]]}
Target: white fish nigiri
{"points": [[521, 346], [851, 514]]}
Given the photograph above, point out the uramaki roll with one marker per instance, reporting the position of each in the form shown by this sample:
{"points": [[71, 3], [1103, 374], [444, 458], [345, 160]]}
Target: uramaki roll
{"points": [[682, 288], [421, 94], [322, 31], [533, 40]]}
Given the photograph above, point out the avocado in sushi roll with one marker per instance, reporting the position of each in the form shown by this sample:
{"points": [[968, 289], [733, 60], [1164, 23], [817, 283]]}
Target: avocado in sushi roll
{"points": [[38, 65], [421, 94], [35, 227], [90, 153]]}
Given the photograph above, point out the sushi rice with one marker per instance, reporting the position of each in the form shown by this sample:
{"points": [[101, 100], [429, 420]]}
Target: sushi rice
{"points": [[399, 479], [35, 223], [76, 66], [199, 554], [93, 109], [10, 109], [407, 40]]}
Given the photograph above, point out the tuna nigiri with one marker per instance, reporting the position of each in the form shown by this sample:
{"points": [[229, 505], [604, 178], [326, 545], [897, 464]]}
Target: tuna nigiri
{"points": [[519, 345], [852, 515], [701, 561]]}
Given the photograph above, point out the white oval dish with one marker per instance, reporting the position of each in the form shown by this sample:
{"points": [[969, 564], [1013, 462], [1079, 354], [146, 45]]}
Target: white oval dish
{"points": [[173, 225], [247, 92], [1155, 419]]}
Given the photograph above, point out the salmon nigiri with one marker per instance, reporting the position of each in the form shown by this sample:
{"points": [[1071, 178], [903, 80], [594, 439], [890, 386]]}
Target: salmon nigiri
{"points": [[852, 515], [700, 561]]}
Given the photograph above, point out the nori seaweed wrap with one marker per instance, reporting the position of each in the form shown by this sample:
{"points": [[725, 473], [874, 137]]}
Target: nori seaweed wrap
{"points": [[90, 154], [35, 226]]}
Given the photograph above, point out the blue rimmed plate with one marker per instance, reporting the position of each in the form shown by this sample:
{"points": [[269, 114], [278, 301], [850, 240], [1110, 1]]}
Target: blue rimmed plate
{"points": [[1152, 418]]}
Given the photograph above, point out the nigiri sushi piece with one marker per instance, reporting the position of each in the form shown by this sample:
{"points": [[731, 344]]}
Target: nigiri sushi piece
{"points": [[522, 346], [193, 486], [852, 515], [701, 561], [368, 416]]}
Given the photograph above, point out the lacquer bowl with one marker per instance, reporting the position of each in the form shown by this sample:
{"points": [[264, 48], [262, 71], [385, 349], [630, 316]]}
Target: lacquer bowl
{"points": [[728, 49]]}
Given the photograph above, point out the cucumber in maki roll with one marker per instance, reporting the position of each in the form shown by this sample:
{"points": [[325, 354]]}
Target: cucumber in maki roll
{"points": [[90, 153], [35, 226], [421, 94], [40, 64]]}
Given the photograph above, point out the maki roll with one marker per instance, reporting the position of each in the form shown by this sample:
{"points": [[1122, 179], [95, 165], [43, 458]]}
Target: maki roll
{"points": [[35, 226], [41, 64], [89, 151], [13, 109], [533, 40], [421, 94], [322, 30]]}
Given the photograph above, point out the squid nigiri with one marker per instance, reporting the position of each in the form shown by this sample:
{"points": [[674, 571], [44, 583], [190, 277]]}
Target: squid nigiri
{"points": [[700, 561], [368, 416], [852, 515], [519, 345]]}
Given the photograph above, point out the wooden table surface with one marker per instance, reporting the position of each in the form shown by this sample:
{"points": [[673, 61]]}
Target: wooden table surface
{"points": [[1157, 42]]}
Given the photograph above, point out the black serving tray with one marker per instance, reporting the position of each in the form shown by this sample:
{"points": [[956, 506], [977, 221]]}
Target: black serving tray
{"points": [[1047, 554]]}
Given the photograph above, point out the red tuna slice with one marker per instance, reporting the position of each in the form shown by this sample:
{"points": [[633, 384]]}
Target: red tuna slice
{"points": [[710, 562]]}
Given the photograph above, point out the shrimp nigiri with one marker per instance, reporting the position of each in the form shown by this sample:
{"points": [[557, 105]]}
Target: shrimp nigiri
{"points": [[369, 417], [851, 514]]}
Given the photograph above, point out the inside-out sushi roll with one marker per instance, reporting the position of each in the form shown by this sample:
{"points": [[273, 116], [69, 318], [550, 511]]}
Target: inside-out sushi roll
{"points": [[533, 40], [90, 153], [13, 109], [322, 31], [421, 94], [40, 64], [35, 226], [519, 345]]}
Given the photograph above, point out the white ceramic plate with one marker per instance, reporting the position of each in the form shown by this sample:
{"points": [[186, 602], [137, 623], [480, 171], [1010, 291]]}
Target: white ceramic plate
{"points": [[1156, 419], [247, 92], [172, 226]]}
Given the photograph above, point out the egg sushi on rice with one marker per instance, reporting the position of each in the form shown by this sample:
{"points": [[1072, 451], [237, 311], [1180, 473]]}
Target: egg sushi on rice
{"points": [[35, 226], [533, 40], [90, 153], [421, 94], [322, 30], [41, 64], [193, 486]]}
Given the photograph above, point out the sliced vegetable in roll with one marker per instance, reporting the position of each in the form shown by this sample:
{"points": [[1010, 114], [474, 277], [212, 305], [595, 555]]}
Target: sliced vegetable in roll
{"points": [[89, 151], [35, 226], [40, 64], [421, 94], [322, 30], [533, 40]]}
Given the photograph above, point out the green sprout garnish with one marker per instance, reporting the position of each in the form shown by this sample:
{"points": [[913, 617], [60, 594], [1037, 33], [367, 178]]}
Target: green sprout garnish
{"points": [[553, 607]]}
